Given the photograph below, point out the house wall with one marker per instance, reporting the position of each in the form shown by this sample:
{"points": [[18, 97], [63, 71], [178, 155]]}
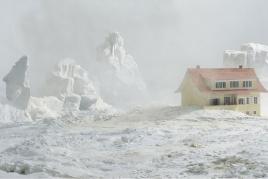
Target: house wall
{"points": [[239, 107], [191, 96]]}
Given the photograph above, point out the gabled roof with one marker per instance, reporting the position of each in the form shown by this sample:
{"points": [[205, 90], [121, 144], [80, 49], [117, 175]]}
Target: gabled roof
{"points": [[200, 75], [226, 73]]}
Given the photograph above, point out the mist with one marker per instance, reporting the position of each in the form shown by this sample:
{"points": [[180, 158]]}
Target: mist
{"points": [[164, 37], [88, 89]]}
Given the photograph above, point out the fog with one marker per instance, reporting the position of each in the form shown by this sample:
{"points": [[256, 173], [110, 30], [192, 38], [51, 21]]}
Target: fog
{"points": [[164, 36]]}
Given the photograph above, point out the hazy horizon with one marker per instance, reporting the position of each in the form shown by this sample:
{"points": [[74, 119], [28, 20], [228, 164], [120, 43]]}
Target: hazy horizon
{"points": [[164, 37]]}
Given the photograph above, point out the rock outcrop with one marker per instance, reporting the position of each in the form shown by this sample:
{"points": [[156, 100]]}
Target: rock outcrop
{"points": [[17, 86], [120, 81]]}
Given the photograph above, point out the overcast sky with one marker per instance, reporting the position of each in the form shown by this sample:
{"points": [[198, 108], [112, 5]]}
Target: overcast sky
{"points": [[164, 36]]}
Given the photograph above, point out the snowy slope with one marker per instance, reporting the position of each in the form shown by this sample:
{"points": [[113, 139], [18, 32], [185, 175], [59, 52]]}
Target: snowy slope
{"points": [[145, 142]]}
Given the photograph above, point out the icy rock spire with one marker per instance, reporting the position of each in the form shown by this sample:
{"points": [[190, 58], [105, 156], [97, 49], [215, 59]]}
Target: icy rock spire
{"points": [[17, 86], [119, 78]]}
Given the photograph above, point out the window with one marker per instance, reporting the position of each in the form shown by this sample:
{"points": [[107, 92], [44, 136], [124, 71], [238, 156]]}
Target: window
{"points": [[255, 112], [220, 84], [227, 100], [255, 100], [234, 84], [247, 112], [241, 101], [247, 84], [248, 100], [215, 101], [233, 100]]}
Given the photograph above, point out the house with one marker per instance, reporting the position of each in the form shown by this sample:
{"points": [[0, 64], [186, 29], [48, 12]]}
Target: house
{"points": [[235, 89]]}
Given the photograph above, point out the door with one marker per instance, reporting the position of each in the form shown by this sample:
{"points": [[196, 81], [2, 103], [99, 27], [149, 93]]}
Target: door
{"points": [[227, 100]]}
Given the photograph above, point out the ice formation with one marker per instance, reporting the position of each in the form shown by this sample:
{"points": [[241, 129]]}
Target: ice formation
{"points": [[70, 83], [72, 102], [119, 78], [69, 78], [17, 86], [45, 107], [10, 114], [251, 55], [87, 101], [257, 54], [233, 58]]}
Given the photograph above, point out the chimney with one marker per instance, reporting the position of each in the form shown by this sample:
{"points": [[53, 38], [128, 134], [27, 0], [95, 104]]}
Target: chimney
{"points": [[240, 66], [197, 66]]}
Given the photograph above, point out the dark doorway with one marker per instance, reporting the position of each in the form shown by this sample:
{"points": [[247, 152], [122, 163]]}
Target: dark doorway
{"points": [[227, 100], [215, 101]]}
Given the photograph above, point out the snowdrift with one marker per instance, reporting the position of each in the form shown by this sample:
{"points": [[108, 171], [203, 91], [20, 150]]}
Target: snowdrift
{"points": [[10, 114], [158, 142], [46, 107]]}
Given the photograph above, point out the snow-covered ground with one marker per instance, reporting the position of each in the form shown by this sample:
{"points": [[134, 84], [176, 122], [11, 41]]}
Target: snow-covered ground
{"points": [[164, 142]]}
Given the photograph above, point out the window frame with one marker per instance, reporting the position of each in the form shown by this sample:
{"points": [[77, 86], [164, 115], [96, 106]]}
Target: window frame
{"points": [[255, 100], [247, 84], [241, 100], [247, 100], [234, 84], [227, 100], [220, 84]]}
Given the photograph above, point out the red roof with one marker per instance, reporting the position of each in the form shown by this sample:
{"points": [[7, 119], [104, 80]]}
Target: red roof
{"points": [[199, 75]]}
